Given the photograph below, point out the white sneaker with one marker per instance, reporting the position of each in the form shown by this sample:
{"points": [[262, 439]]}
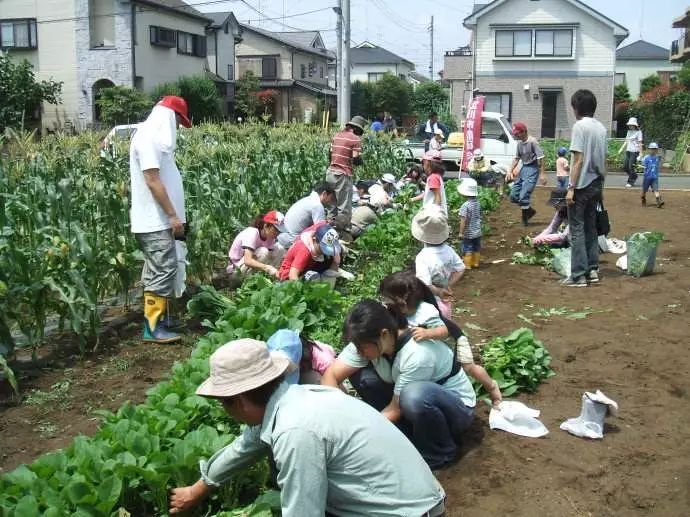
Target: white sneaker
{"points": [[628, 185], [593, 277]]}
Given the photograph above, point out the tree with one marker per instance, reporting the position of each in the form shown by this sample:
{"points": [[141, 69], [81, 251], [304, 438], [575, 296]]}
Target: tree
{"points": [[649, 82], [429, 97], [361, 99], [393, 94], [684, 75], [200, 92], [621, 94], [123, 105], [21, 94], [246, 90]]}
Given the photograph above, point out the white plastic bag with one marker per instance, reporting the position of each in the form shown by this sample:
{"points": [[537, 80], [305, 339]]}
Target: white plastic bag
{"points": [[622, 262], [181, 275], [514, 417]]}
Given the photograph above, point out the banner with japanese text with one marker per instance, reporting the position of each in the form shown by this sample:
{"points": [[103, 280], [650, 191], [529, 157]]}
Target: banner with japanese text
{"points": [[473, 130]]}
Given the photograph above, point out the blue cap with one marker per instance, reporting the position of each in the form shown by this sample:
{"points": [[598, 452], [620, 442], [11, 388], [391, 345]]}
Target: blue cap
{"points": [[328, 240], [287, 342], [653, 145], [562, 151]]}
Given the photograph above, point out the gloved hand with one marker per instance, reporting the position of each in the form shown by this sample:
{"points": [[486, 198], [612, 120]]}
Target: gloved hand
{"points": [[271, 271], [345, 275]]}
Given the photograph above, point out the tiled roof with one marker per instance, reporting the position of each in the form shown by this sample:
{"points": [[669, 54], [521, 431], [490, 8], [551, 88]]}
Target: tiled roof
{"points": [[376, 55], [176, 5], [642, 50]]}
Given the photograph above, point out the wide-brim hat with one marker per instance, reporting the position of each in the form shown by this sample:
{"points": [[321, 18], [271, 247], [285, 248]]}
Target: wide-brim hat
{"points": [[430, 226], [358, 122], [632, 121], [439, 131], [240, 366], [179, 106], [388, 178], [557, 197], [468, 187]]}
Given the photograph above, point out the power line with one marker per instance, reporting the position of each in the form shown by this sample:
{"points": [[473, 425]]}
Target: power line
{"points": [[289, 16]]}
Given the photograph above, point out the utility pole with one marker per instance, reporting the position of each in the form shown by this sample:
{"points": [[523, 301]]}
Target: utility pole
{"points": [[431, 46], [339, 59], [346, 91]]}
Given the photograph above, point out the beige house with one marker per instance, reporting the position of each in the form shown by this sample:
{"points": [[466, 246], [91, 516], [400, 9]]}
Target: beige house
{"points": [[292, 64], [528, 57], [92, 44]]}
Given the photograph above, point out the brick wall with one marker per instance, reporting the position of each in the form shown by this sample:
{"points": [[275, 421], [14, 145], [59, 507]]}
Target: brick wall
{"points": [[527, 109]]}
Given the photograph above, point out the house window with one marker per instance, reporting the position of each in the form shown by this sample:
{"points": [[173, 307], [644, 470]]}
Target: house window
{"points": [[514, 43], [269, 68], [553, 43], [498, 102], [18, 34], [372, 77], [191, 44], [162, 37], [321, 72], [303, 71], [231, 73]]}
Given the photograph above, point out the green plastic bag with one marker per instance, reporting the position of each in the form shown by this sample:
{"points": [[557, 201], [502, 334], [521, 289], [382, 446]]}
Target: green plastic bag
{"points": [[642, 249], [561, 262]]}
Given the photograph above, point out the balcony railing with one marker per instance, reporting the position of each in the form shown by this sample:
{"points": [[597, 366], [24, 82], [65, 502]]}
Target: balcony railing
{"points": [[680, 48]]}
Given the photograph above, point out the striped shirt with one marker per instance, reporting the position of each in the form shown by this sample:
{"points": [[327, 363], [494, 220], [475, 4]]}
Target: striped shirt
{"points": [[473, 213], [343, 145]]}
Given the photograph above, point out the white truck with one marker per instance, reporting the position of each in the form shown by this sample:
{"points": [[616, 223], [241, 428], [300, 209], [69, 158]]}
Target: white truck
{"points": [[497, 144]]}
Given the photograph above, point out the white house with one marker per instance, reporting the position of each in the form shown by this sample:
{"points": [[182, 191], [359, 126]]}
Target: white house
{"points": [[369, 63], [92, 44], [530, 56], [640, 59]]}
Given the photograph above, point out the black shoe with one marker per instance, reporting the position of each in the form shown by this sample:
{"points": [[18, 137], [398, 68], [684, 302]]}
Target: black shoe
{"points": [[525, 218], [530, 213]]}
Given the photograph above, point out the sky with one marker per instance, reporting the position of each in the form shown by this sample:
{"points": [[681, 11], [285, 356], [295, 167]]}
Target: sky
{"points": [[401, 26]]}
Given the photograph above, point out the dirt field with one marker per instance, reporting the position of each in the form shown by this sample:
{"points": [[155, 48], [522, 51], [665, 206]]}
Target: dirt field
{"points": [[634, 348]]}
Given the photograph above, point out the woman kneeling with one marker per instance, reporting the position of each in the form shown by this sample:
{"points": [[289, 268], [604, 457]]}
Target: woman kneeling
{"points": [[416, 385], [255, 247]]}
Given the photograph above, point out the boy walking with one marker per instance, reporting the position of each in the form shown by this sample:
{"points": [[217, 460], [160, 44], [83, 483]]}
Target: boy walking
{"points": [[532, 157], [652, 164], [470, 223], [587, 174]]}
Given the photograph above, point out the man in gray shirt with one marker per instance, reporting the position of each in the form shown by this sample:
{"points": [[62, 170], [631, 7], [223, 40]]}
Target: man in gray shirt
{"points": [[533, 163], [587, 173], [306, 212]]}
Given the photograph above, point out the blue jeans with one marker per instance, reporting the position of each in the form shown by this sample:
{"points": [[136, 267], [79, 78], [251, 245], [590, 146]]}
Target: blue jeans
{"points": [[629, 166], [471, 245], [582, 221], [522, 189], [562, 181], [433, 418]]}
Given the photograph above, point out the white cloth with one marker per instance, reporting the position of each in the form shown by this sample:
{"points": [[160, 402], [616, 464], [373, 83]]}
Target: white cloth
{"points": [[634, 141], [514, 417], [181, 275], [153, 147], [435, 264]]}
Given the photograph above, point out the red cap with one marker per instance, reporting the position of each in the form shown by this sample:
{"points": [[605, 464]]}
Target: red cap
{"points": [[274, 217], [519, 127], [179, 106]]}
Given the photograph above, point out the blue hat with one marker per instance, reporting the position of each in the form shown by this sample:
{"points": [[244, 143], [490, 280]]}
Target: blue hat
{"points": [[328, 240], [562, 151], [287, 342], [653, 145]]}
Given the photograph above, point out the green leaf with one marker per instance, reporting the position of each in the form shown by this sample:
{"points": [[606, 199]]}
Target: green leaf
{"points": [[109, 493]]}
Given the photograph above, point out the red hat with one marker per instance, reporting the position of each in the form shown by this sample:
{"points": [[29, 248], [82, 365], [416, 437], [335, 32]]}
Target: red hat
{"points": [[274, 217], [519, 127], [179, 106]]}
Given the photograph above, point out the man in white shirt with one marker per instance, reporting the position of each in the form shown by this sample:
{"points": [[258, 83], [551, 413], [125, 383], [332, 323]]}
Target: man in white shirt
{"points": [[305, 213], [157, 213]]}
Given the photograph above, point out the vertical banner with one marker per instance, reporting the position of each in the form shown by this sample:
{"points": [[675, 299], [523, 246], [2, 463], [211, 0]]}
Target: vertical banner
{"points": [[473, 130]]}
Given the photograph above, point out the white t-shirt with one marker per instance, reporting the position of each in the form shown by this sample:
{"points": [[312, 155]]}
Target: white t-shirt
{"points": [[634, 141], [435, 264], [146, 215], [431, 360]]}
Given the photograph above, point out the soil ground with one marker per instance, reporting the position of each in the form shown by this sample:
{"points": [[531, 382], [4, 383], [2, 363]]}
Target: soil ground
{"points": [[633, 347]]}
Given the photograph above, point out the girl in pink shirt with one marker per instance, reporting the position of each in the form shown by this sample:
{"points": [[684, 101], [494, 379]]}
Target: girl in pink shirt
{"points": [[254, 247]]}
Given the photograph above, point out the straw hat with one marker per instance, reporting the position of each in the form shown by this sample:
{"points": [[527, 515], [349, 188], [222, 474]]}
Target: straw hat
{"points": [[430, 226], [240, 366]]}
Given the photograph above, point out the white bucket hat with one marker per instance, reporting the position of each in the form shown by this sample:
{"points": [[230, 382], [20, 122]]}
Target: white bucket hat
{"points": [[468, 187], [633, 122], [430, 226], [388, 178], [240, 366]]}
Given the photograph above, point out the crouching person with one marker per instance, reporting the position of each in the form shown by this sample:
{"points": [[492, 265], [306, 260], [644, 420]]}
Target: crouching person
{"points": [[358, 465], [315, 255], [415, 384], [255, 247]]}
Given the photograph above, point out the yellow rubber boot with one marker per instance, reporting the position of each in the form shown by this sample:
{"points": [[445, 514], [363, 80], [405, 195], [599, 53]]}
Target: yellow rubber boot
{"points": [[475, 259], [154, 310], [467, 259]]}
